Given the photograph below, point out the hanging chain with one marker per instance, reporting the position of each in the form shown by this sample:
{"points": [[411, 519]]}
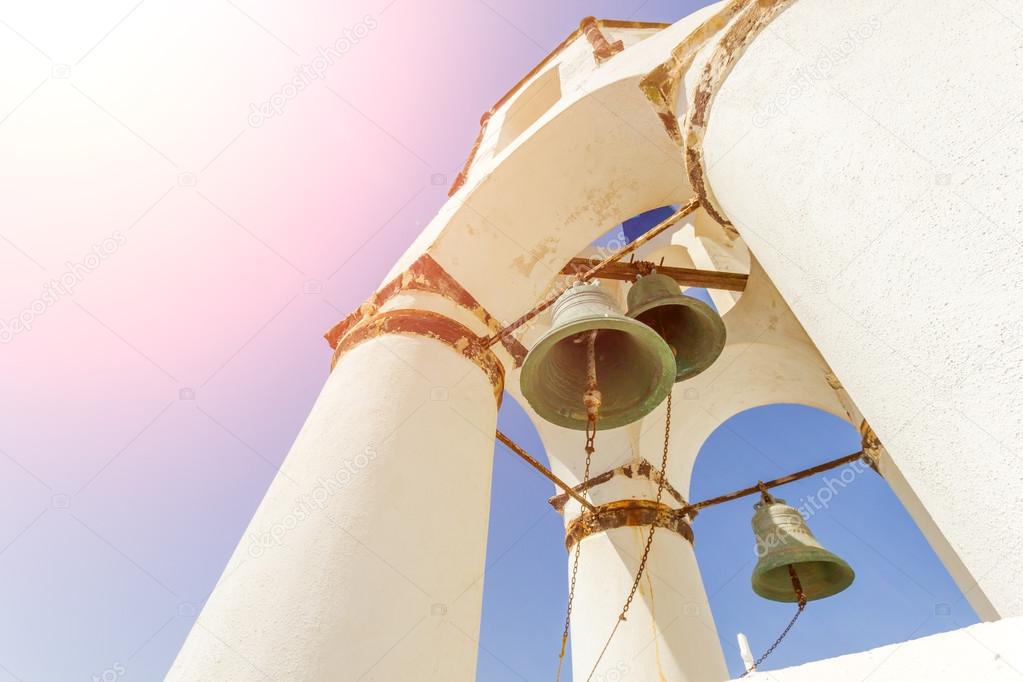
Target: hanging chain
{"points": [[571, 585], [591, 399], [801, 599], [649, 542]]}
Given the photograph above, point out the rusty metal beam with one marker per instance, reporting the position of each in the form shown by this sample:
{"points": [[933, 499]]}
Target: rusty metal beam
{"points": [[592, 272], [514, 447], [761, 485], [687, 277]]}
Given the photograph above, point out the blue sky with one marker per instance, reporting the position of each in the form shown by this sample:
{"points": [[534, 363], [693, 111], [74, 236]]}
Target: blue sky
{"points": [[901, 591]]}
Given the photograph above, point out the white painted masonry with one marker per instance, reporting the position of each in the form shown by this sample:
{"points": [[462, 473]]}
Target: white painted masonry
{"points": [[394, 558], [868, 155]]}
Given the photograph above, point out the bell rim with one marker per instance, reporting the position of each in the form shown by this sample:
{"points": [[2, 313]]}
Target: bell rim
{"points": [[616, 323], [708, 313], [848, 576]]}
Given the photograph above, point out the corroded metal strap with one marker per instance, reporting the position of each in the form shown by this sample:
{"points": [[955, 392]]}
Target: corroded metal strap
{"points": [[425, 275], [628, 513], [433, 326], [640, 469]]}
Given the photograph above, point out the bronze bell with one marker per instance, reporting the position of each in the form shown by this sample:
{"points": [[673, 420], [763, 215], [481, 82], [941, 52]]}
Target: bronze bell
{"points": [[783, 540], [634, 366], [693, 330]]}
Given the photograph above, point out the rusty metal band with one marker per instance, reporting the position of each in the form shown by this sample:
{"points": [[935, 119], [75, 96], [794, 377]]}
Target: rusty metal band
{"points": [[640, 469], [426, 275], [628, 513], [431, 325], [729, 49]]}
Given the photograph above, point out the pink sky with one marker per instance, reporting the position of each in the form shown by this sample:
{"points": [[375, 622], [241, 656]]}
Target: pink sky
{"points": [[203, 253]]}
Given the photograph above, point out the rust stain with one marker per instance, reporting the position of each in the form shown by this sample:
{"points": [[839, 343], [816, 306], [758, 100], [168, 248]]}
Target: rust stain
{"points": [[425, 274], [625, 513], [661, 85], [872, 447], [464, 173], [642, 469], [608, 23], [525, 263], [719, 65], [430, 325], [656, 630]]}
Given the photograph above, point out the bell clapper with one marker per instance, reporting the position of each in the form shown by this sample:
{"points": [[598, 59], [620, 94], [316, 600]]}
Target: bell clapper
{"points": [[797, 587], [591, 397]]}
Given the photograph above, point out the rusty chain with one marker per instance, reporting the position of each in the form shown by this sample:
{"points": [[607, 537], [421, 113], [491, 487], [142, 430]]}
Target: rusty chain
{"points": [[801, 599], [591, 399], [649, 542]]}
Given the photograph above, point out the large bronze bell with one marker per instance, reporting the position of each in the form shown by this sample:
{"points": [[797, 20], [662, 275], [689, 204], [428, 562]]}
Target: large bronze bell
{"points": [[634, 366], [783, 540], [692, 329]]}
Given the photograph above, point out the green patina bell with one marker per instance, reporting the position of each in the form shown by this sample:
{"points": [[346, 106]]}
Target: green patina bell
{"points": [[693, 330], [784, 539], [634, 366]]}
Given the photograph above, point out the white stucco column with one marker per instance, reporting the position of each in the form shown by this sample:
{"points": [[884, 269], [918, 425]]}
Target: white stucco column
{"points": [[365, 560], [669, 633], [869, 154]]}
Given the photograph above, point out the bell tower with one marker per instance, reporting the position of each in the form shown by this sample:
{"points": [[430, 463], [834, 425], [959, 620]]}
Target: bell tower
{"points": [[833, 290]]}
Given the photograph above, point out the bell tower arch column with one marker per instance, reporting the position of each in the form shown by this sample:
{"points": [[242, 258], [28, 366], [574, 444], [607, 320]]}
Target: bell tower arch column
{"points": [[365, 560], [670, 633]]}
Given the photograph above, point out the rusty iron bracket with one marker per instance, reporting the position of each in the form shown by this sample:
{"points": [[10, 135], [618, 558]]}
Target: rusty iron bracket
{"points": [[686, 277], [640, 469], [628, 513], [547, 473]]}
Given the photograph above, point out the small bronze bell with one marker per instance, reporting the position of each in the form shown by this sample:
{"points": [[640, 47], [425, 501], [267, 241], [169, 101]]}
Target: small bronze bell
{"points": [[634, 366], [783, 540], [694, 331]]}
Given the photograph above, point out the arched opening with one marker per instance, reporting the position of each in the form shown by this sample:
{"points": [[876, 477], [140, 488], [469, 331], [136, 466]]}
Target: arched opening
{"points": [[902, 590]]}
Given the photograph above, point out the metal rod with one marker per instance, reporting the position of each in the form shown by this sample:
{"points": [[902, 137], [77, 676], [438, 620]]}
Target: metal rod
{"points": [[513, 446], [678, 215], [687, 277], [762, 485]]}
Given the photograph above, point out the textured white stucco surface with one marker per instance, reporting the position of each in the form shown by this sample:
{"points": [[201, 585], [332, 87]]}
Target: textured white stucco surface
{"points": [[988, 652], [372, 538], [879, 197]]}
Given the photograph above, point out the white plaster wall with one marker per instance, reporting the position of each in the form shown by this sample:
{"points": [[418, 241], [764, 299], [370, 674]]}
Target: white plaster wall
{"points": [[670, 632], [987, 651], [882, 196]]}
